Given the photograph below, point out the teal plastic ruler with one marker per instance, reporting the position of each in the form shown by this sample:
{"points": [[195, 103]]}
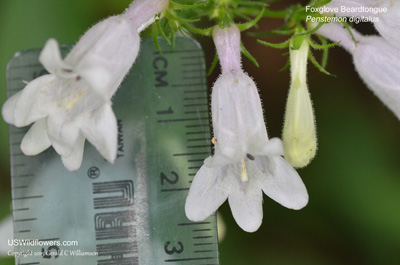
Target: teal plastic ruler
{"points": [[131, 212]]}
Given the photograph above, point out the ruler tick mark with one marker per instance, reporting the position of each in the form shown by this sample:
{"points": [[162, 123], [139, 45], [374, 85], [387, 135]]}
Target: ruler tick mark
{"points": [[25, 220], [19, 187], [179, 120], [195, 105], [190, 85], [189, 154], [181, 189], [200, 230], [188, 259], [28, 197], [203, 251], [203, 244], [202, 237], [194, 223], [21, 209], [198, 146]]}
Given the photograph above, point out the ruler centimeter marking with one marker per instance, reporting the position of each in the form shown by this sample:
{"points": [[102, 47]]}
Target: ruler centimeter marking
{"points": [[132, 212]]}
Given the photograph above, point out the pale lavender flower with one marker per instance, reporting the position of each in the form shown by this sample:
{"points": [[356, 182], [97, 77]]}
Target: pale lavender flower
{"points": [[376, 61], [73, 102], [246, 163], [386, 12]]}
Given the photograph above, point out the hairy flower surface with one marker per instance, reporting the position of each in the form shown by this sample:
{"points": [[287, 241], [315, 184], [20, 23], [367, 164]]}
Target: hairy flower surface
{"points": [[387, 11], [376, 61], [73, 102], [299, 136], [245, 162]]}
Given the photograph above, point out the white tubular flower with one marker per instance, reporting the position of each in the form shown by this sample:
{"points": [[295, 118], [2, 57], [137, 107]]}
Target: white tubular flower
{"points": [[387, 11], [73, 102], [376, 61], [299, 136], [245, 162]]}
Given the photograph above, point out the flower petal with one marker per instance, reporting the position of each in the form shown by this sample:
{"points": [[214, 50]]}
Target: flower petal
{"points": [[74, 160], [207, 192], [245, 197], [273, 147], [99, 80], [246, 206], [36, 140], [101, 131], [34, 103], [237, 116], [63, 132], [51, 59], [285, 185], [9, 107]]}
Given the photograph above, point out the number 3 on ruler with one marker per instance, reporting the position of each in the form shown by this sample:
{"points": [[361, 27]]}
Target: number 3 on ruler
{"points": [[173, 249]]}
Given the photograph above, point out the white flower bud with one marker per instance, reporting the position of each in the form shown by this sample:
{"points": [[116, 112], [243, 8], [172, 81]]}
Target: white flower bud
{"points": [[299, 136]]}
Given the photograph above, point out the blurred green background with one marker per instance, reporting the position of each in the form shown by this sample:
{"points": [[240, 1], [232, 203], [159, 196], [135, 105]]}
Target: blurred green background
{"points": [[353, 216]]}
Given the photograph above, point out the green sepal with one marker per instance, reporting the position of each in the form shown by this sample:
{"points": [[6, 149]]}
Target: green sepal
{"points": [[213, 64], [297, 41], [286, 66], [248, 55], [160, 29], [324, 46], [204, 32], [282, 45], [154, 32], [245, 26], [317, 65], [325, 52], [251, 3], [318, 3], [351, 33], [311, 31], [180, 19], [178, 6]]}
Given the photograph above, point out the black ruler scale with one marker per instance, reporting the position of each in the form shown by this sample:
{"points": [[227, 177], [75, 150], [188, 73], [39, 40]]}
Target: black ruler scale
{"points": [[131, 212]]}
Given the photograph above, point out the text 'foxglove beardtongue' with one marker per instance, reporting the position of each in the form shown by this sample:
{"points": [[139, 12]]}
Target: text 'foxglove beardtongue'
{"points": [[376, 61], [387, 13], [299, 136], [245, 162], [73, 102]]}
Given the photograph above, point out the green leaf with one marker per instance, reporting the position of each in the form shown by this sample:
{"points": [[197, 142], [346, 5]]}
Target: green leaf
{"points": [[213, 64], [245, 26], [248, 55], [282, 45]]}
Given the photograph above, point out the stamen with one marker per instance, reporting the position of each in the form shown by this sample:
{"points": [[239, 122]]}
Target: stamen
{"points": [[243, 172], [213, 140]]}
